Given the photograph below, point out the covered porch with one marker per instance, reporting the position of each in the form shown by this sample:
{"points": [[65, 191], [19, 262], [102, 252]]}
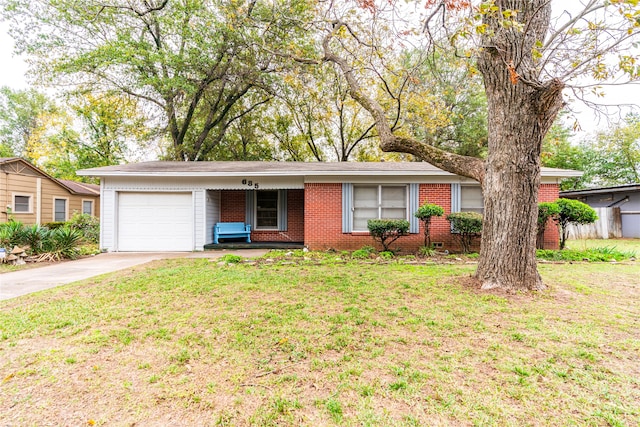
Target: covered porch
{"points": [[276, 217]]}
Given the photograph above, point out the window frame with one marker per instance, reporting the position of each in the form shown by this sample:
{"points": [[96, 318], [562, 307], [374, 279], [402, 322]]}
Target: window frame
{"points": [[66, 209], [255, 211], [380, 207], [92, 206], [29, 201]]}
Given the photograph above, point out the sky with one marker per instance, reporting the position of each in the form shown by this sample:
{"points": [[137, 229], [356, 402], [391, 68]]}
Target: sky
{"points": [[13, 70]]}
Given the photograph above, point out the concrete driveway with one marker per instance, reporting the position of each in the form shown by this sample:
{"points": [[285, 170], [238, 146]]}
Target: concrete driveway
{"points": [[31, 280]]}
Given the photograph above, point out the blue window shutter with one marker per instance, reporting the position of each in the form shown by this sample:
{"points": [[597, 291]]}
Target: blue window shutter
{"points": [[347, 207], [414, 225], [455, 198], [282, 210], [250, 214]]}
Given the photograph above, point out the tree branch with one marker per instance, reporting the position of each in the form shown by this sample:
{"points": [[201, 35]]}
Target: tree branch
{"points": [[460, 165]]}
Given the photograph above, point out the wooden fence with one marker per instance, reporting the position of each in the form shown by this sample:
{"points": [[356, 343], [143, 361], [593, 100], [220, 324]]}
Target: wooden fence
{"points": [[608, 226]]}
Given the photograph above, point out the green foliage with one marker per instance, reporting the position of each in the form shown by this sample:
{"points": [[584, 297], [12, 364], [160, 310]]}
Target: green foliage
{"points": [[466, 226], [616, 154], [231, 259], [546, 211], [88, 225], [23, 114], [602, 254], [194, 67], [63, 242], [427, 211], [54, 225], [573, 212], [426, 251], [360, 254], [11, 234], [387, 231], [424, 214], [386, 255], [35, 236], [445, 103], [610, 158]]}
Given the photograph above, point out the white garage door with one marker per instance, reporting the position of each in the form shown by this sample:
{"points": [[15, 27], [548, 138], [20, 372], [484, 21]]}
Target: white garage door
{"points": [[155, 222]]}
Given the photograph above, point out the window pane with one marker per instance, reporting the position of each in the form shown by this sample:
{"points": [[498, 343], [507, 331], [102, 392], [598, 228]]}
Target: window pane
{"points": [[471, 199], [365, 197], [394, 202], [267, 209], [394, 213], [60, 210], [87, 206], [361, 216], [21, 204], [365, 205]]}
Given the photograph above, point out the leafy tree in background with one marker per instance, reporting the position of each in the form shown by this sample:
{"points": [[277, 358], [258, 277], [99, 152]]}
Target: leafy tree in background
{"points": [[23, 114], [445, 102], [616, 157], [190, 63], [611, 158]]}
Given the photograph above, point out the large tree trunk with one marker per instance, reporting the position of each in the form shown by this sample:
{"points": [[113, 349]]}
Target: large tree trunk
{"points": [[520, 111]]}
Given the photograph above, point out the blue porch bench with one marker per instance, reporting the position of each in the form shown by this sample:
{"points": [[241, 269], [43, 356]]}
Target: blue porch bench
{"points": [[231, 229]]}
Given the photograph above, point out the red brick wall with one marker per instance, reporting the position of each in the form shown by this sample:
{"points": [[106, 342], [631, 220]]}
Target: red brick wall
{"points": [[233, 209], [323, 219], [550, 193]]}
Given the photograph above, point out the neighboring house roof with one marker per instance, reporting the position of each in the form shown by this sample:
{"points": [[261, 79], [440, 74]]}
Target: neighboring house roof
{"points": [[600, 190], [79, 188], [162, 168]]}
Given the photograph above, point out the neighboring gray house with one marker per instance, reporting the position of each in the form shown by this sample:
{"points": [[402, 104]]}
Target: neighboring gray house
{"points": [[625, 197]]}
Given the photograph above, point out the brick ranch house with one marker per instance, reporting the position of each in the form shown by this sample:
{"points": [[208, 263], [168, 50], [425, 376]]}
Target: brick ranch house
{"points": [[173, 206]]}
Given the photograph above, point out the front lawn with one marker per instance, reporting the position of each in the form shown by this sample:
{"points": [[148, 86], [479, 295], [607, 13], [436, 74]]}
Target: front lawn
{"points": [[193, 342]]}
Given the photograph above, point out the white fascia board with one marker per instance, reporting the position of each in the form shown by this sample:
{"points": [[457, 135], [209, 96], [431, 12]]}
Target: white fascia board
{"points": [[258, 174], [309, 175]]}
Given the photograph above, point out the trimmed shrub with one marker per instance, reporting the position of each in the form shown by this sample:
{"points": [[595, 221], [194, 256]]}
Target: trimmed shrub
{"points": [[465, 226], [546, 211], [424, 214], [387, 231], [573, 212]]}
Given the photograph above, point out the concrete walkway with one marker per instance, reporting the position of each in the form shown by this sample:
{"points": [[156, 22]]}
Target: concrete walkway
{"points": [[31, 280]]}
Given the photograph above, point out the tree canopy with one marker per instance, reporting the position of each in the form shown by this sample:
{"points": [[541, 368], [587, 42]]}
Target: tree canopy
{"points": [[191, 64]]}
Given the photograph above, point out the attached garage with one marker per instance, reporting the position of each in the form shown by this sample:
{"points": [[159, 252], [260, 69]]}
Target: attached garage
{"points": [[155, 221]]}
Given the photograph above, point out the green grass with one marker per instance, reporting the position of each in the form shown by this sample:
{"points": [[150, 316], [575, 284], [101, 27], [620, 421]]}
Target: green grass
{"points": [[621, 245], [324, 342]]}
